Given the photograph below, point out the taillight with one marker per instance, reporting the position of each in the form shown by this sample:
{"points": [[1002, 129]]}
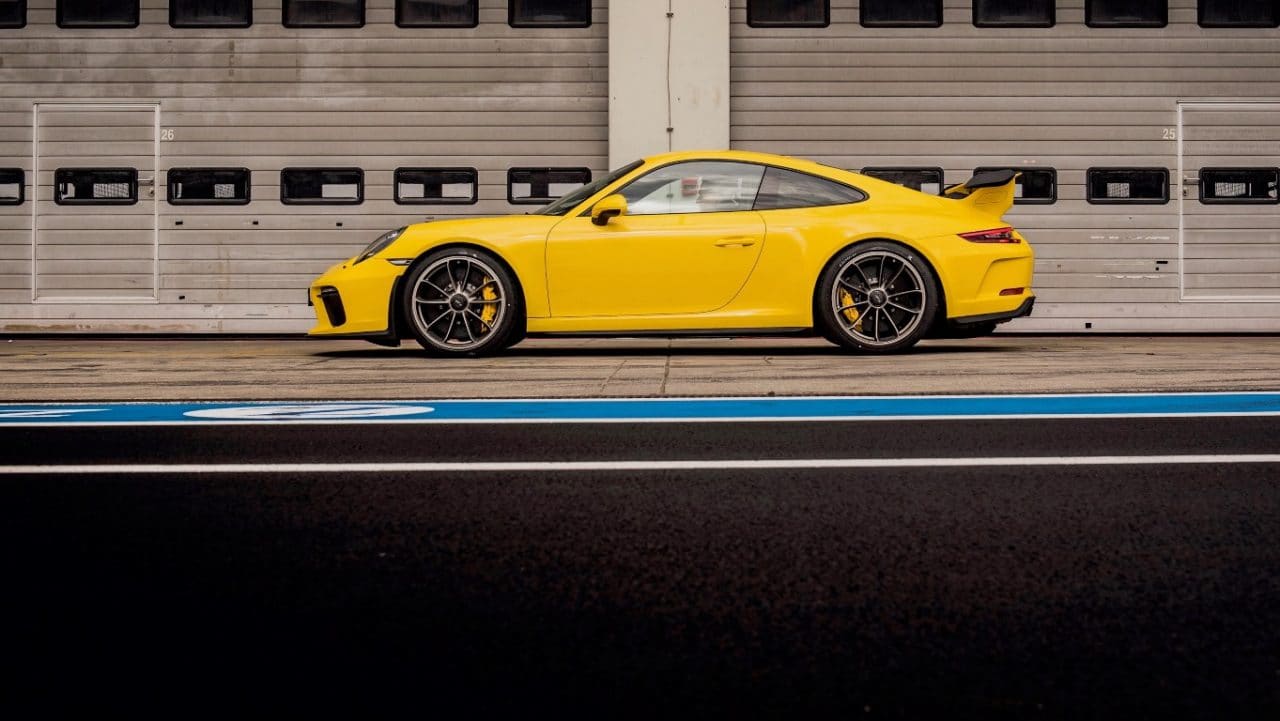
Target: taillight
{"points": [[999, 235]]}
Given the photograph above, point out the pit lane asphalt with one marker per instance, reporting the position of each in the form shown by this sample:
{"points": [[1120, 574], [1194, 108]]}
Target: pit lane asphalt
{"points": [[1130, 591]]}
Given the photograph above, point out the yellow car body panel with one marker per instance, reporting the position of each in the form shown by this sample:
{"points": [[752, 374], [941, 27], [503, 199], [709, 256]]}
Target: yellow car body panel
{"points": [[683, 264], [366, 291], [728, 271]]}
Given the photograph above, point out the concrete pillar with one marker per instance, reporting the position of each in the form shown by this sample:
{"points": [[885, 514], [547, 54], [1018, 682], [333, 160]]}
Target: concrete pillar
{"points": [[667, 72]]}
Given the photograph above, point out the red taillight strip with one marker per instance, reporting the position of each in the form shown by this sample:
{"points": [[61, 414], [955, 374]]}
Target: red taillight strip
{"points": [[996, 235]]}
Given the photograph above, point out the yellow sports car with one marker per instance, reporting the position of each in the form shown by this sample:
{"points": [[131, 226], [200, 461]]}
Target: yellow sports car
{"points": [[703, 243]]}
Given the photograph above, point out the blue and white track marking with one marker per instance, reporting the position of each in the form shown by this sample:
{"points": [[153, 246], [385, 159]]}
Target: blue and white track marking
{"points": [[646, 410]]}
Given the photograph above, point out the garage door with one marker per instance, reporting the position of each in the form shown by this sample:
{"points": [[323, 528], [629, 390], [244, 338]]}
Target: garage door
{"points": [[1230, 210], [95, 211]]}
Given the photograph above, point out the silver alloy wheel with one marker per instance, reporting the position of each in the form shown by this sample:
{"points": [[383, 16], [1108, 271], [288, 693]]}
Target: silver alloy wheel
{"points": [[879, 297], [458, 303]]}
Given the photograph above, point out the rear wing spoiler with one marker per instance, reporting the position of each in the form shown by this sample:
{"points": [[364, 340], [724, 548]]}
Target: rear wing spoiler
{"points": [[990, 192]]}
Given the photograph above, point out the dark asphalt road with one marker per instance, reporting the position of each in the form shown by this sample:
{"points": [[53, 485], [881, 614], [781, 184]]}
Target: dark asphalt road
{"points": [[1004, 592]]}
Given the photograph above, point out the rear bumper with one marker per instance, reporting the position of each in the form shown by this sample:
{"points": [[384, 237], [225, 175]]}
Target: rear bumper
{"points": [[1003, 317]]}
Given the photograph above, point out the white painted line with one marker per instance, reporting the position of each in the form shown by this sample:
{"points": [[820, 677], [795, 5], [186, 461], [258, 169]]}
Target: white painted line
{"points": [[656, 465]]}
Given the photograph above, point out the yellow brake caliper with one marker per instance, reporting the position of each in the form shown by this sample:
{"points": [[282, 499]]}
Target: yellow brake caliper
{"points": [[846, 302], [490, 310]]}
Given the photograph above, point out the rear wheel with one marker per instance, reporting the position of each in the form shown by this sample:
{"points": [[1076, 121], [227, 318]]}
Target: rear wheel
{"points": [[877, 297], [461, 301]]}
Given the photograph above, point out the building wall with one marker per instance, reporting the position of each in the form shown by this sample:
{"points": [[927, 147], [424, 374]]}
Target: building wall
{"points": [[669, 79], [268, 97], [1069, 97], [492, 97]]}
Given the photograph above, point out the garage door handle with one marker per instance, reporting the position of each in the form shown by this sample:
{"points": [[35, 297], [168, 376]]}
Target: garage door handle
{"points": [[735, 243]]}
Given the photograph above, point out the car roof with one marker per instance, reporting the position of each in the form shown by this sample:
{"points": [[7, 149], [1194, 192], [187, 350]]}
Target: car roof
{"points": [[748, 156]]}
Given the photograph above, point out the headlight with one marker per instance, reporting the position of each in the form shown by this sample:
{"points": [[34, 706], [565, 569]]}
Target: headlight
{"points": [[378, 245]]}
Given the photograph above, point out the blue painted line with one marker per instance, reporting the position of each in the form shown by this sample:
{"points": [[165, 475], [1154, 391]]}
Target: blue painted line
{"points": [[645, 409]]}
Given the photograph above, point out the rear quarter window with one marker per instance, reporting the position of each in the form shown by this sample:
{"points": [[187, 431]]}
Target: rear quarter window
{"points": [[783, 189]]}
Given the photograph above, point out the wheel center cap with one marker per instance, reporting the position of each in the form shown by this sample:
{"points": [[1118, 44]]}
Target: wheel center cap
{"points": [[879, 297], [458, 302]]}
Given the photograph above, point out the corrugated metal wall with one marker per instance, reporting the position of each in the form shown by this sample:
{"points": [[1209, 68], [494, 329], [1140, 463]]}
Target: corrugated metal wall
{"points": [[492, 97], [1069, 97], [266, 97]]}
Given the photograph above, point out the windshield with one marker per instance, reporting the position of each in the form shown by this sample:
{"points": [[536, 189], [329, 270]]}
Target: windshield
{"points": [[570, 201]]}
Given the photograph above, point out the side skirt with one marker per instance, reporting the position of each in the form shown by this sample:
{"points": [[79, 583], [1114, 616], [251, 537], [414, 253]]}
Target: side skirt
{"points": [[700, 333]]}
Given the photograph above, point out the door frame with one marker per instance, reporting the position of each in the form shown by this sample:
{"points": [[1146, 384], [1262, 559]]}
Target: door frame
{"points": [[1208, 105], [155, 200]]}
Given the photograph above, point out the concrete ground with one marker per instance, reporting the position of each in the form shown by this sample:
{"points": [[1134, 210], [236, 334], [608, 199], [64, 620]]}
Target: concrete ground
{"points": [[69, 369]]}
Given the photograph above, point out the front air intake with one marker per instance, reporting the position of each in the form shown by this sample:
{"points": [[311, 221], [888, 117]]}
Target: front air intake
{"points": [[333, 306]]}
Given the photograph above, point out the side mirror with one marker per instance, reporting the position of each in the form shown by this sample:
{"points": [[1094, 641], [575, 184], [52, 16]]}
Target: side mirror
{"points": [[607, 209]]}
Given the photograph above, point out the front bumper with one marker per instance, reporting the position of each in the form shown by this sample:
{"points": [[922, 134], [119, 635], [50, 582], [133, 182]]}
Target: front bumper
{"points": [[355, 300]]}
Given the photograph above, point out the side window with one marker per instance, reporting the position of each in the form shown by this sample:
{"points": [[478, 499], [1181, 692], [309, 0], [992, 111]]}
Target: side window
{"points": [[210, 13], [925, 180], [1138, 186], [12, 185], [97, 13], [95, 186], [695, 187], [549, 13], [539, 186], [788, 13], [1013, 13], [1036, 186], [901, 13], [208, 186], [322, 13], [435, 186], [1242, 186], [13, 13], [437, 13], [790, 189], [1126, 13], [322, 186], [1239, 13]]}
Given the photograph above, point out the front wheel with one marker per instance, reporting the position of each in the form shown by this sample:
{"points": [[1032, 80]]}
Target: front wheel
{"points": [[877, 297], [461, 301]]}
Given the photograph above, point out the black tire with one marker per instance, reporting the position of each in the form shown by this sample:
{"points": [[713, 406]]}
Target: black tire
{"points": [[877, 297], [518, 333], [462, 302]]}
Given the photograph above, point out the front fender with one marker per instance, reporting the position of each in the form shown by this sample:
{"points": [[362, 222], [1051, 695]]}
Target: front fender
{"points": [[518, 241]]}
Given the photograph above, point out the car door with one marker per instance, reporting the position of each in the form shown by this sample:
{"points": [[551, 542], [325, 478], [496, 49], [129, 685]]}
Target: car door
{"points": [[686, 244]]}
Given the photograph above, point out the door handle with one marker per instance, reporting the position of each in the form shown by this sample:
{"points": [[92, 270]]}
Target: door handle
{"points": [[738, 242]]}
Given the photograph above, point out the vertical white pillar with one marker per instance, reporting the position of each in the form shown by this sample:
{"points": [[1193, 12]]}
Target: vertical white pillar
{"points": [[667, 72]]}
